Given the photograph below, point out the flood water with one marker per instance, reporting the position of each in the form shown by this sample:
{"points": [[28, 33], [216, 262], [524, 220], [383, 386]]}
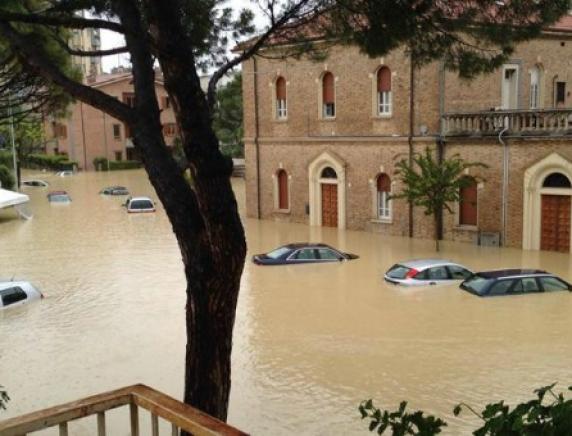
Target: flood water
{"points": [[311, 341]]}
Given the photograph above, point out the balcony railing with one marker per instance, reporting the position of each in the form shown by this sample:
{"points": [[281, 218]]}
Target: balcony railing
{"points": [[180, 416], [552, 122]]}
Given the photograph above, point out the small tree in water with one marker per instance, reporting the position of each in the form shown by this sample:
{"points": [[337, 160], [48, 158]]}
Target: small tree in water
{"points": [[433, 184]]}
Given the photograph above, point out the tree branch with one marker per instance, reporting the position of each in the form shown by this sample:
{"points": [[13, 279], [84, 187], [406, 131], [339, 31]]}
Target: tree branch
{"points": [[69, 22], [32, 56]]}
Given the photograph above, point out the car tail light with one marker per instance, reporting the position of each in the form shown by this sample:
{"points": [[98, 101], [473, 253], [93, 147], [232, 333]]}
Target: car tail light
{"points": [[411, 273]]}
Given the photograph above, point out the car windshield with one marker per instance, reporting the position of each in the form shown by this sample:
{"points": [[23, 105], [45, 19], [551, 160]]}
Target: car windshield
{"points": [[279, 252], [476, 284], [141, 204], [398, 272], [59, 198]]}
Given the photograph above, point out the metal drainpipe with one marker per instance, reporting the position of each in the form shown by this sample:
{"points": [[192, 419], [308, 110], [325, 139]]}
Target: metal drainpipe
{"points": [[504, 192], [411, 130], [256, 133]]}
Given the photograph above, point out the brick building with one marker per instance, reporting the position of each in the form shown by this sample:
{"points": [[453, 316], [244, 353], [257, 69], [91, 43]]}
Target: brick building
{"points": [[89, 133], [322, 140]]}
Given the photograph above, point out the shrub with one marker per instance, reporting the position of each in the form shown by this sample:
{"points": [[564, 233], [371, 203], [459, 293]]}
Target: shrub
{"points": [[57, 162], [4, 398], [6, 178], [6, 159], [124, 165], [547, 414], [100, 163]]}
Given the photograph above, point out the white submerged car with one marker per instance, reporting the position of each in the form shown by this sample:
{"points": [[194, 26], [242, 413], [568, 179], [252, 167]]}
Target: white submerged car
{"points": [[139, 205], [17, 293], [425, 272]]}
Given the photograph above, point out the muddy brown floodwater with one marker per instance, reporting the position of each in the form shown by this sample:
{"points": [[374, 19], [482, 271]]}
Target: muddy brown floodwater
{"points": [[310, 342]]}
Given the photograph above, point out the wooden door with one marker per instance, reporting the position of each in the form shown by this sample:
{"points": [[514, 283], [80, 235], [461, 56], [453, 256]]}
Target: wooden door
{"points": [[329, 205], [282, 190], [555, 223]]}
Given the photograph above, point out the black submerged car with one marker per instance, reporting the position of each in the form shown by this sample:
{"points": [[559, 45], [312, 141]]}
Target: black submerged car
{"points": [[513, 282], [302, 252]]}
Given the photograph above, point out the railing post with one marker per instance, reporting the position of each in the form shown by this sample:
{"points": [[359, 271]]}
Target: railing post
{"points": [[134, 416], [63, 429], [101, 424], [154, 425]]}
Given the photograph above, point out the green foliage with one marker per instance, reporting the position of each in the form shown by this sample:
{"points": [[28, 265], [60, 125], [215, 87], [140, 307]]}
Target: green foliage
{"points": [[58, 162], [400, 422], [431, 184], [4, 398], [101, 163], [227, 122], [124, 165], [7, 180], [547, 414], [6, 159]]}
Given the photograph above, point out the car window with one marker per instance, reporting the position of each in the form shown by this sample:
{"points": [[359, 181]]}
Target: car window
{"points": [[327, 254], [305, 254], [501, 287], [422, 275], [458, 273], [12, 295], [397, 271], [279, 252], [476, 284], [438, 273], [551, 284], [529, 285], [140, 204]]}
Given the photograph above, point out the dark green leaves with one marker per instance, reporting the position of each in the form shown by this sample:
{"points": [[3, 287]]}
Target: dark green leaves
{"points": [[4, 398]]}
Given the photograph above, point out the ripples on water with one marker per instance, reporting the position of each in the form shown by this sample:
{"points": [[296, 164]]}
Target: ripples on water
{"points": [[310, 341]]}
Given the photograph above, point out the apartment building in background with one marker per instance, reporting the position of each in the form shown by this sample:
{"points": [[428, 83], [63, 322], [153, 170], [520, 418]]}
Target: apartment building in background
{"points": [[322, 141], [89, 133]]}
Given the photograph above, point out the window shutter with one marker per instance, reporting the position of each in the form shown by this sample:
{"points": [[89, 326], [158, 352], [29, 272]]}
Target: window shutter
{"points": [[281, 89], [282, 189], [468, 206], [384, 80], [328, 95], [383, 183]]}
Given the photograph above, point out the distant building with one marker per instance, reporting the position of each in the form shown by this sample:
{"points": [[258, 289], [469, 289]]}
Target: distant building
{"points": [[86, 40], [89, 133]]}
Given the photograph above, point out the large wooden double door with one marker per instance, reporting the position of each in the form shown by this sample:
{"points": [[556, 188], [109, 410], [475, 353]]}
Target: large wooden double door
{"points": [[555, 223], [329, 205]]}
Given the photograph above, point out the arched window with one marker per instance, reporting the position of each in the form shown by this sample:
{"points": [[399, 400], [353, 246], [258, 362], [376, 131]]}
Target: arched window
{"points": [[384, 91], [535, 82], [468, 204], [383, 183], [328, 173], [328, 96], [283, 197], [556, 180], [281, 107]]}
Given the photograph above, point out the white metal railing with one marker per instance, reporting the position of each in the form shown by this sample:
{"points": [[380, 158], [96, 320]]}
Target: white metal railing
{"points": [[181, 416], [518, 122]]}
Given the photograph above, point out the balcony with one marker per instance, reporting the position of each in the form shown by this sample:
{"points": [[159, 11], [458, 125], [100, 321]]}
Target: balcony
{"points": [[534, 122], [179, 416]]}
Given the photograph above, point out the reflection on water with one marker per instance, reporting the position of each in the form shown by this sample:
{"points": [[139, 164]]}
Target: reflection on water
{"points": [[311, 341]]}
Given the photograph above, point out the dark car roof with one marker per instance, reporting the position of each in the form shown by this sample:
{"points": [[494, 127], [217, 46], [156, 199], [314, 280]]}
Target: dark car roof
{"points": [[504, 273]]}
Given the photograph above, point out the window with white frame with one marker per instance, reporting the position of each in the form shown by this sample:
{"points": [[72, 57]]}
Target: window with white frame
{"points": [[384, 104], [383, 209], [281, 106], [328, 96], [535, 75]]}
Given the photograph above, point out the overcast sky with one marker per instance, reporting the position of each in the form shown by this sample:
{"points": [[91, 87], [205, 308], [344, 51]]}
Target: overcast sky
{"points": [[110, 39]]}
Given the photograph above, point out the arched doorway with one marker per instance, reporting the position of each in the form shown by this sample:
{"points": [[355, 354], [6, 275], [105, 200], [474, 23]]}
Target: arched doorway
{"points": [[547, 218], [555, 213], [327, 191]]}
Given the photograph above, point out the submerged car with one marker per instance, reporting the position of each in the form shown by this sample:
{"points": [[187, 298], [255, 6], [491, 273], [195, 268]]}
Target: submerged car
{"points": [[35, 183], [302, 252], [65, 173], [139, 205], [114, 190], [59, 197], [17, 293], [424, 272], [513, 282]]}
